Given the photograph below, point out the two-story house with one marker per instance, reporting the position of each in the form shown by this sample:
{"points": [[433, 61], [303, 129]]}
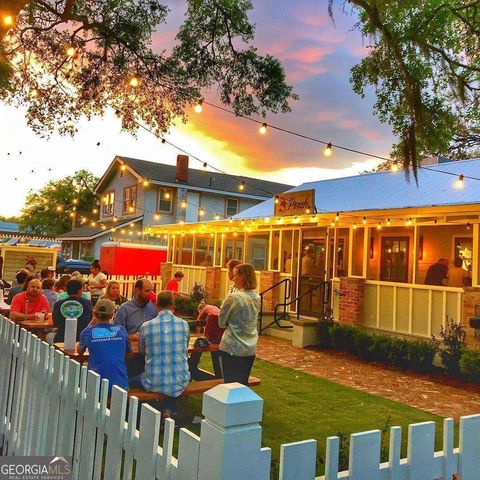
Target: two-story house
{"points": [[138, 194]]}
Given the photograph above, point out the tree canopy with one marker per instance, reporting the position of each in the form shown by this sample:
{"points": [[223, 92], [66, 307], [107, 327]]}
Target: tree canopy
{"points": [[424, 66], [64, 59], [55, 208]]}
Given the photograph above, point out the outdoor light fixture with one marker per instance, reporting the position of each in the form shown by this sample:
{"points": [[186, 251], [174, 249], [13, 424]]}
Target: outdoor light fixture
{"points": [[198, 107], [459, 184], [134, 82], [132, 225], [468, 226], [243, 222], [242, 186], [327, 151], [263, 129], [295, 220]]}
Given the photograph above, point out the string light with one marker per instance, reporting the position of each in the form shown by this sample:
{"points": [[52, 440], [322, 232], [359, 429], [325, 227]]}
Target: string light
{"points": [[307, 211], [132, 225], [95, 211], [70, 51], [459, 184], [157, 216], [468, 226], [217, 216], [332, 223], [364, 221], [388, 222], [198, 107], [181, 222], [59, 208], [146, 183], [266, 219], [379, 226], [8, 20], [94, 224], [75, 201], [184, 204], [131, 209], [327, 151], [263, 129], [201, 212], [354, 226], [337, 217], [295, 220], [134, 82], [167, 195], [71, 214], [123, 167], [277, 200], [241, 187], [408, 222], [115, 219], [394, 167]]}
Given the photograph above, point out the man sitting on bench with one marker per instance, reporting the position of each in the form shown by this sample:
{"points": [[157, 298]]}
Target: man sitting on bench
{"points": [[164, 340]]}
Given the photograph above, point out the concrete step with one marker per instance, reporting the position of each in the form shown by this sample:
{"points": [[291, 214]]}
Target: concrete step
{"points": [[285, 333]]}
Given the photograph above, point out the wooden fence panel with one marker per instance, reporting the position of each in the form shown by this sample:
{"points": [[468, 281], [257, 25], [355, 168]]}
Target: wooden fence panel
{"points": [[76, 421]]}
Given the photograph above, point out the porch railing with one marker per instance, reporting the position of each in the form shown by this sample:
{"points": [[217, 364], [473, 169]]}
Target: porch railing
{"points": [[418, 310]]}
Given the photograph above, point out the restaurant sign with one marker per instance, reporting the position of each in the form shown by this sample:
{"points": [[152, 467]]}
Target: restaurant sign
{"points": [[295, 203]]}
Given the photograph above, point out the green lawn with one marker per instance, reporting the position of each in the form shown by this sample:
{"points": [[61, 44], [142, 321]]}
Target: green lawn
{"points": [[299, 406]]}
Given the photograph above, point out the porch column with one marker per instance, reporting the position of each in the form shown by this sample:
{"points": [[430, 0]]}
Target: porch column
{"points": [[351, 293], [350, 251], [471, 299], [267, 280], [166, 273], [475, 255], [366, 248], [213, 283], [415, 253]]}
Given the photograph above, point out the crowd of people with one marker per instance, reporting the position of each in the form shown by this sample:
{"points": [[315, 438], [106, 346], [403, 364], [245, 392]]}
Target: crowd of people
{"points": [[440, 274], [108, 324]]}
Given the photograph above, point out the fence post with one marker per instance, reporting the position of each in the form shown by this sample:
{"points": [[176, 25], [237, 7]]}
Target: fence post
{"points": [[231, 435]]}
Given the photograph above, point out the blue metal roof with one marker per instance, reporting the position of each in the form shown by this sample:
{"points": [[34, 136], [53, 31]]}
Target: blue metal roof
{"points": [[9, 227], [389, 190]]}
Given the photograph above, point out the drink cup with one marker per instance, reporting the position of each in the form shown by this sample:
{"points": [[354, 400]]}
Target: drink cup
{"points": [[41, 317]]}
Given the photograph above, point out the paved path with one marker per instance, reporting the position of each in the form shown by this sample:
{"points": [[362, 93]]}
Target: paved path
{"points": [[433, 394]]}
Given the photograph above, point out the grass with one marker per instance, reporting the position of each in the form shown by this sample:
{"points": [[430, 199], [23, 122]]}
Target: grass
{"points": [[299, 406]]}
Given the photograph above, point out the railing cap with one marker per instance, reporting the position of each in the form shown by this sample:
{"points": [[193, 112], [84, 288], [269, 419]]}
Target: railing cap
{"points": [[232, 404]]}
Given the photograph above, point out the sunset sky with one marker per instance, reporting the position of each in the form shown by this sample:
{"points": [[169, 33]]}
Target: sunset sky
{"points": [[317, 56]]}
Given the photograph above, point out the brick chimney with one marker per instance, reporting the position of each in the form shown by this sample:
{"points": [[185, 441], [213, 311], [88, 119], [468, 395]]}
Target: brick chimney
{"points": [[182, 168]]}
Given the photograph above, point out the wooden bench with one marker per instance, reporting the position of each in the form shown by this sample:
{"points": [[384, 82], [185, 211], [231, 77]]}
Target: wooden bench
{"points": [[195, 387]]}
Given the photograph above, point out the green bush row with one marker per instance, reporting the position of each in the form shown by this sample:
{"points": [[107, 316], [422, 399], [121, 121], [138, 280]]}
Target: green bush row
{"points": [[470, 364], [413, 354]]}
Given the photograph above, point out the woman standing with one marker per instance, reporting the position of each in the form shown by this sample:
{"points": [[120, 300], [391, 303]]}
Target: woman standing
{"points": [[239, 316], [113, 293]]}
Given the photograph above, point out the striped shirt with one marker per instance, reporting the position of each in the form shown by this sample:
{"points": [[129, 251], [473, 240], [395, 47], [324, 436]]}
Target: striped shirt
{"points": [[164, 340]]}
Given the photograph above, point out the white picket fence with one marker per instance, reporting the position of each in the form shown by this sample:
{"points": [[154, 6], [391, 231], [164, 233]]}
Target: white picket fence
{"points": [[49, 405]]}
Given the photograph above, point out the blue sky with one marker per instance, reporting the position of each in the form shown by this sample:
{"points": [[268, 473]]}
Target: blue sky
{"points": [[317, 56]]}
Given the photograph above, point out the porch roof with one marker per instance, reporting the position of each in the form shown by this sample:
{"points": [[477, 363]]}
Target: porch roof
{"points": [[388, 190]]}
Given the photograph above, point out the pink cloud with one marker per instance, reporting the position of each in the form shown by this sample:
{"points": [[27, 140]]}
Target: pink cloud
{"points": [[309, 54]]}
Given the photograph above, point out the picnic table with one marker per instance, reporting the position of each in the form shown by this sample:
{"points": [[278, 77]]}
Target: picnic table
{"points": [[75, 354], [36, 326]]}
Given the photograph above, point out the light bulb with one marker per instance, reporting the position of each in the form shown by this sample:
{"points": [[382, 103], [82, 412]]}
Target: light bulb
{"points": [[327, 151], [8, 20], [242, 186], [217, 216], [71, 214], [59, 208], [34, 93], [123, 168], [198, 107], [70, 51], [266, 219], [459, 184], [201, 212], [364, 221], [394, 167], [307, 211], [263, 129], [337, 217], [131, 209], [379, 226], [184, 204], [145, 183], [167, 195], [134, 82], [276, 200], [95, 211], [157, 216], [388, 222], [75, 201], [354, 226]]}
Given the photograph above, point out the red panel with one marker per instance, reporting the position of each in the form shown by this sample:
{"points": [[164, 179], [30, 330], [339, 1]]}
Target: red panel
{"points": [[120, 260]]}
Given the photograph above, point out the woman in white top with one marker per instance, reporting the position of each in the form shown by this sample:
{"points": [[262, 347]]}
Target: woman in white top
{"points": [[97, 281], [239, 316]]}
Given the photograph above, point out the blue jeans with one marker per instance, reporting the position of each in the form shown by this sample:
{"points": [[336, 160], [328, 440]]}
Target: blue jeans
{"points": [[166, 404]]}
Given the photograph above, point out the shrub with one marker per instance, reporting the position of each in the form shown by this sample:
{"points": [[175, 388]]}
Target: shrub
{"points": [[198, 293], [325, 323], [470, 364], [185, 305], [451, 346], [416, 354]]}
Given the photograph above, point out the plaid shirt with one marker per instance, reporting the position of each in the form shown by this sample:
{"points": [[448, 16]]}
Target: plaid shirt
{"points": [[164, 340]]}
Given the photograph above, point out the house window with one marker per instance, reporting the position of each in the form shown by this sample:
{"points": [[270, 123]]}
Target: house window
{"points": [[463, 250], [165, 196], [231, 207], [394, 265], [108, 203], [130, 199]]}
